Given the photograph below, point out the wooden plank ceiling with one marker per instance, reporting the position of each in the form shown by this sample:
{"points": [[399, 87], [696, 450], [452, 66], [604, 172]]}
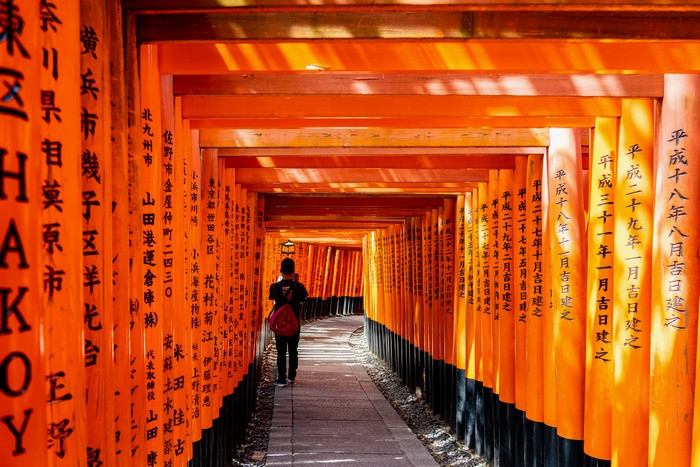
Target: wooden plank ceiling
{"points": [[355, 115]]}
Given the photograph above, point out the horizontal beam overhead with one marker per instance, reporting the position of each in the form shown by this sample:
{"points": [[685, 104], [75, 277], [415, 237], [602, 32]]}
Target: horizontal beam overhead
{"points": [[233, 25], [378, 151], [298, 218], [482, 56], [412, 122], [434, 84], [447, 189], [398, 162], [277, 202], [329, 225], [374, 137], [324, 106], [163, 6], [358, 175], [336, 239]]}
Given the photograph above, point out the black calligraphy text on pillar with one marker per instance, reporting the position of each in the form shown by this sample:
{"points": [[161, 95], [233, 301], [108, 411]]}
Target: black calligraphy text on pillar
{"points": [[605, 208], [21, 389], [633, 187], [674, 267]]}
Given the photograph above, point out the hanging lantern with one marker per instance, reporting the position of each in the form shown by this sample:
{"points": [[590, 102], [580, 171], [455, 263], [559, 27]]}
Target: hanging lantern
{"points": [[288, 247]]}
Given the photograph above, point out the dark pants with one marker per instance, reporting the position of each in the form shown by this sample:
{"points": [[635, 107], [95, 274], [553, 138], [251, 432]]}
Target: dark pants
{"points": [[282, 344]]}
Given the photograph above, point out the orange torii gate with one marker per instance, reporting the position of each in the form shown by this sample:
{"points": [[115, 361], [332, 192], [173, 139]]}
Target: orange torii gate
{"points": [[525, 255]]}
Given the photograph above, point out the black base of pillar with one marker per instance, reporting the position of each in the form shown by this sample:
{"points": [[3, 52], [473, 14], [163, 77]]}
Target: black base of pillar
{"points": [[460, 410], [589, 461], [489, 436], [470, 415], [551, 446], [520, 433], [570, 451], [497, 428], [534, 444], [480, 419], [507, 425]]}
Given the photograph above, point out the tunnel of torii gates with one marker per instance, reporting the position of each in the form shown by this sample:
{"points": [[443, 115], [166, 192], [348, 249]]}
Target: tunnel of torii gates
{"points": [[508, 195]]}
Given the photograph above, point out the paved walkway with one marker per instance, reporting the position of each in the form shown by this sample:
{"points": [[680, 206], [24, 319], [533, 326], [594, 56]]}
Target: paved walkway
{"points": [[334, 414]]}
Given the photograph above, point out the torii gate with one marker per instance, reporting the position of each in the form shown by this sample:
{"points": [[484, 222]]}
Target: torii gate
{"points": [[153, 153]]}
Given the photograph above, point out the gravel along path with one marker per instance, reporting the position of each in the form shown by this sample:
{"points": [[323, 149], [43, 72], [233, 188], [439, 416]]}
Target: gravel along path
{"points": [[432, 431]]}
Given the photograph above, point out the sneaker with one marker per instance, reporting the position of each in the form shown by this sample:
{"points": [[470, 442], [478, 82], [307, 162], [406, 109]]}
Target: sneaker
{"points": [[290, 380], [280, 383]]}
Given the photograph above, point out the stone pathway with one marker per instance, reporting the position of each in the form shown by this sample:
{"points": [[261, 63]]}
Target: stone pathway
{"points": [[334, 414]]}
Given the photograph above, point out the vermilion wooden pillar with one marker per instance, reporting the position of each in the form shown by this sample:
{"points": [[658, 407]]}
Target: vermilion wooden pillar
{"points": [[631, 313], [506, 314], [180, 352], [229, 279], [196, 265], [675, 287], [418, 283], [251, 208], [239, 263], [459, 329], [492, 380], [549, 395], [492, 373], [568, 278], [137, 377], [486, 282], [519, 294], [447, 295], [120, 231], [96, 199], [210, 199], [23, 395], [431, 308], [601, 286], [482, 340], [168, 238], [477, 280], [243, 289], [152, 300], [506, 321], [183, 366], [472, 222], [536, 297], [61, 252]]}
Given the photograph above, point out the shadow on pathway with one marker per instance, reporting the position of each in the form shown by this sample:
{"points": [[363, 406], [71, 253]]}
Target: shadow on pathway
{"points": [[335, 414]]}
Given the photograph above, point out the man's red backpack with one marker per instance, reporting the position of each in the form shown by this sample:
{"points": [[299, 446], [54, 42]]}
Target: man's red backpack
{"points": [[283, 321]]}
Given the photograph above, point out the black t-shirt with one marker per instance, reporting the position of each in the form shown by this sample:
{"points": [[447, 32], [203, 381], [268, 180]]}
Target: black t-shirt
{"points": [[279, 290]]}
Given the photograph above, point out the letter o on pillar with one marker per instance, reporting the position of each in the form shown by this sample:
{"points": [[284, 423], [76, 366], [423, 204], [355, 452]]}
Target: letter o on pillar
{"points": [[5, 387]]}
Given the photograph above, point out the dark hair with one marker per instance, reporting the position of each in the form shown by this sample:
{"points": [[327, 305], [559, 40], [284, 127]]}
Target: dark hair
{"points": [[287, 266]]}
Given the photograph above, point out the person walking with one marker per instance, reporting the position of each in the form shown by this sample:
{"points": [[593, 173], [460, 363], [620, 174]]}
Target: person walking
{"points": [[288, 290]]}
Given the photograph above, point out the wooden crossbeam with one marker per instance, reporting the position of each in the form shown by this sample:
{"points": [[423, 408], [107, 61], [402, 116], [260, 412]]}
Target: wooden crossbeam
{"points": [[326, 225], [333, 238], [342, 215], [555, 56], [399, 162], [339, 217], [377, 151], [165, 6], [434, 84], [375, 137], [323, 106], [233, 25], [412, 122], [277, 202], [447, 189], [358, 175]]}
